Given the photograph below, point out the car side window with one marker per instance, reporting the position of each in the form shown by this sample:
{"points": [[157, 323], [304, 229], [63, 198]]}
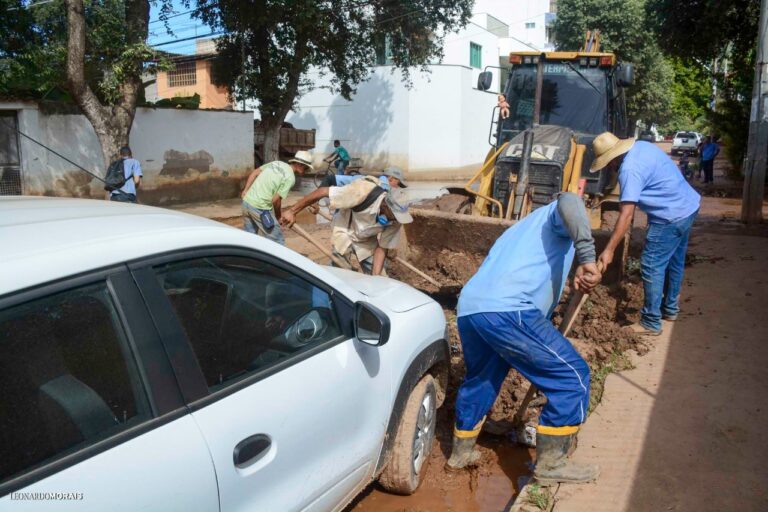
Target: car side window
{"points": [[241, 315], [67, 376]]}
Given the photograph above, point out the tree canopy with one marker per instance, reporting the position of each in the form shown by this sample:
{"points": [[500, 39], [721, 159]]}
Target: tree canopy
{"points": [[623, 30], [269, 46]]}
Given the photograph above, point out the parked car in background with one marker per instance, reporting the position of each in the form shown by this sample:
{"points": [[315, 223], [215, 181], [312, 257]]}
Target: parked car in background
{"points": [[685, 141], [647, 136], [152, 360]]}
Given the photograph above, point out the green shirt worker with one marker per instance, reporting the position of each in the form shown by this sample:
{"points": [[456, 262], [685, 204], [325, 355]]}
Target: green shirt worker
{"points": [[340, 158], [264, 192]]}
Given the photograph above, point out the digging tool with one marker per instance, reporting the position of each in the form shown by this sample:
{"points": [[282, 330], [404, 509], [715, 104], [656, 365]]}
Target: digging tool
{"points": [[309, 238], [571, 313], [314, 209]]}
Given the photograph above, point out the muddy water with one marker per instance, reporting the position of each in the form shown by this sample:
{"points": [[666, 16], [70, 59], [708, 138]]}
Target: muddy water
{"points": [[489, 488]]}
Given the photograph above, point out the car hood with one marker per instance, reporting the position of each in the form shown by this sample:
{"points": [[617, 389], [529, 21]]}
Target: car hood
{"points": [[383, 291]]}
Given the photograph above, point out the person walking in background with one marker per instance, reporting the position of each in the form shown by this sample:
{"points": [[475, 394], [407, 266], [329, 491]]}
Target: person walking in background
{"points": [[709, 151], [132, 171], [264, 192], [339, 157]]}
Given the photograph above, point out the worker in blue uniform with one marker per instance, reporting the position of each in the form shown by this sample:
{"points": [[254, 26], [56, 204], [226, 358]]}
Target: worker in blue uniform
{"points": [[504, 322]]}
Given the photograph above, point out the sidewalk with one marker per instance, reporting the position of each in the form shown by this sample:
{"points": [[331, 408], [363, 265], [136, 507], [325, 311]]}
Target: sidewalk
{"points": [[685, 429]]}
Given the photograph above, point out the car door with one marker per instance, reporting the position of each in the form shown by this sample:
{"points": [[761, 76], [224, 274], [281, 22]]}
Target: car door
{"points": [[91, 416], [293, 408]]}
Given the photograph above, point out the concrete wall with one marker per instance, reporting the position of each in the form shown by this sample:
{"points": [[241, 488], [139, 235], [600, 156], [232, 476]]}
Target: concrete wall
{"points": [[186, 155], [436, 129]]}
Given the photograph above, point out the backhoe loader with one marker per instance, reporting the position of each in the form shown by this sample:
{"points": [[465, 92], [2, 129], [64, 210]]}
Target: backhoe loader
{"points": [[558, 103]]}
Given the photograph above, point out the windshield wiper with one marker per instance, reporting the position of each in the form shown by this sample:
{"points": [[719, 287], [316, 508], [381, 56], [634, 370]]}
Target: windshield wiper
{"points": [[582, 76]]}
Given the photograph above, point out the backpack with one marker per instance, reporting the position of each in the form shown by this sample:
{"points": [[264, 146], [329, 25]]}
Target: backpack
{"points": [[115, 177]]}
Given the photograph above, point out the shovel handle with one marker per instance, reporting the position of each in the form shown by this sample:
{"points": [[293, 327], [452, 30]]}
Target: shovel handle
{"points": [[298, 229], [417, 271]]}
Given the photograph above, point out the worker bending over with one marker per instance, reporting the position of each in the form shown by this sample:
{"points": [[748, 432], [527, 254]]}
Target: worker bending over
{"points": [[651, 180], [369, 219], [504, 322], [264, 192]]}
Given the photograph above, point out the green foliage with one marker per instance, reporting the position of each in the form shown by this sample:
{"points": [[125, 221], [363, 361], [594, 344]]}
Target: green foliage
{"points": [[271, 45], [706, 31], [690, 91], [538, 496], [622, 26], [34, 57], [185, 102]]}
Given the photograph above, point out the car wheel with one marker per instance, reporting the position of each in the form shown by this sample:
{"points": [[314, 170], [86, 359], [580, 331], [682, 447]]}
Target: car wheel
{"points": [[413, 441]]}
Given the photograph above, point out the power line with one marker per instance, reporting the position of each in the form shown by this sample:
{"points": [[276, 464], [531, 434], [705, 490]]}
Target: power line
{"points": [[192, 38]]}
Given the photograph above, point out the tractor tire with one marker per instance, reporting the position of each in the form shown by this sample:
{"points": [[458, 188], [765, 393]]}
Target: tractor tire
{"points": [[413, 440]]}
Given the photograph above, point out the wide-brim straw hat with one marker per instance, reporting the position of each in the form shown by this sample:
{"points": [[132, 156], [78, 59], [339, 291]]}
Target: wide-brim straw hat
{"points": [[606, 147], [304, 158]]}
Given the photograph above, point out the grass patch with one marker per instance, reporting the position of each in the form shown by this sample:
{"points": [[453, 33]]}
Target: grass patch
{"points": [[538, 496], [617, 362]]}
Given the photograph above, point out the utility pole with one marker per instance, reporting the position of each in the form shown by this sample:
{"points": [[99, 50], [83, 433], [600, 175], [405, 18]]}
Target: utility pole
{"points": [[757, 148]]}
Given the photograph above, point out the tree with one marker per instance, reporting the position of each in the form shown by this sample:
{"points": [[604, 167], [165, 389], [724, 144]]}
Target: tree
{"points": [[721, 32], [270, 45], [623, 30], [112, 114]]}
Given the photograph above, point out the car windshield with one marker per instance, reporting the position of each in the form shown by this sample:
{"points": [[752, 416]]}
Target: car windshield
{"points": [[568, 98]]}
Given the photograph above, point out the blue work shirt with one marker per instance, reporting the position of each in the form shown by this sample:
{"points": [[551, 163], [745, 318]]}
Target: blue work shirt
{"points": [[131, 168], [525, 269], [709, 151], [651, 179]]}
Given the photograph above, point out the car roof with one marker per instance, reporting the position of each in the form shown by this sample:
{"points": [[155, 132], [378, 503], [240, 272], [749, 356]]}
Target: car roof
{"points": [[45, 238]]}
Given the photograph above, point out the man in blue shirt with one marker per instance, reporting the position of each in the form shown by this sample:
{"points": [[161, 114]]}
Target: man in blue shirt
{"points": [[503, 319], [650, 179], [132, 170], [708, 153]]}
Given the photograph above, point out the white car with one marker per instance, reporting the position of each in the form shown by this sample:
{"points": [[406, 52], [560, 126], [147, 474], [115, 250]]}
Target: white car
{"points": [[152, 360], [685, 141]]}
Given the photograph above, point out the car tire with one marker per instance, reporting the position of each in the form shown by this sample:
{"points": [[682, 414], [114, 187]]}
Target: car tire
{"points": [[413, 440]]}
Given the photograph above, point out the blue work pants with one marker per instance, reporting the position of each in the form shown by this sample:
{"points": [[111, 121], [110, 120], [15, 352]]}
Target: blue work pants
{"points": [[528, 342]]}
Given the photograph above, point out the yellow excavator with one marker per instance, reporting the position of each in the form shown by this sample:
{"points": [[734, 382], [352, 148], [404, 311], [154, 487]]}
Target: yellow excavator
{"points": [[558, 102]]}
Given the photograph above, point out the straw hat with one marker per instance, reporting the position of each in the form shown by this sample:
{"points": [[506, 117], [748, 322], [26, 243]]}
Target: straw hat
{"points": [[304, 158], [606, 147]]}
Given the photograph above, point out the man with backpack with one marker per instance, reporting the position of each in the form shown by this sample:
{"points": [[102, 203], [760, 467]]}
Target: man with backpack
{"points": [[369, 221], [123, 177]]}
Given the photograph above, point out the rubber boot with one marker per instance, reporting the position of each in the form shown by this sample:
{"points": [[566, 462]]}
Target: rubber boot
{"points": [[553, 465], [463, 453]]}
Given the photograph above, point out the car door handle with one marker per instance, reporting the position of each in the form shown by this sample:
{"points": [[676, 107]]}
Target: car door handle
{"points": [[250, 450]]}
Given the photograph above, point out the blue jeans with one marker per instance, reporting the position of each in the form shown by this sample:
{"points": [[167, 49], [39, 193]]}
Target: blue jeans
{"points": [[341, 166], [252, 224], [528, 342], [661, 267]]}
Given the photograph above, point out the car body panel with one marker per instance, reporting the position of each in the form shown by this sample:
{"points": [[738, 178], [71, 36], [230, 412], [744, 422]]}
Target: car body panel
{"points": [[385, 292], [685, 141], [135, 475]]}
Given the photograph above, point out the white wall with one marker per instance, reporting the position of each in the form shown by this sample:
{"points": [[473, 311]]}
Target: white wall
{"points": [[516, 13], [226, 138], [439, 126], [456, 48]]}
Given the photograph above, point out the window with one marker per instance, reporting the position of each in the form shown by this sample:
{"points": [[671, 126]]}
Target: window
{"points": [[384, 52], [475, 55], [531, 24], [183, 73], [65, 378], [242, 315]]}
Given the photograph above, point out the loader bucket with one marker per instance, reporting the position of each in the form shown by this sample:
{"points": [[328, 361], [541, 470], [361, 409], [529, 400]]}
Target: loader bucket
{"points": [[450, 247]]}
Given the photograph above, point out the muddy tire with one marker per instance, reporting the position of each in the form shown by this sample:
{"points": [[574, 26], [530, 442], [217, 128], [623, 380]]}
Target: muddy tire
{"points": [[413, 440]]}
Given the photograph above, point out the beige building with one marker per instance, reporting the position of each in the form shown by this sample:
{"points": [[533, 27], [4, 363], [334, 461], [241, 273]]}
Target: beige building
{"points": [[192, 75]]}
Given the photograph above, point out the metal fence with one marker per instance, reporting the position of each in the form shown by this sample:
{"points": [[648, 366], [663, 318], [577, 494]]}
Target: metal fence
{"points": [[10, 181]]}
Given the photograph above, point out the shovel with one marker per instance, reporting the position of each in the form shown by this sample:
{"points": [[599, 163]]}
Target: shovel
{"points": [[569, 317]]}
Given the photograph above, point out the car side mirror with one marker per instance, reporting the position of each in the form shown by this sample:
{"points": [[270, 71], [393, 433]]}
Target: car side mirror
{"points": [[484, 80], [371, 324], [626, 75]]}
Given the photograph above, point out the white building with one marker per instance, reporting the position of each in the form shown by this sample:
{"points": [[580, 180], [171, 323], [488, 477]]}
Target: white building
{"points": [[439, 128]]}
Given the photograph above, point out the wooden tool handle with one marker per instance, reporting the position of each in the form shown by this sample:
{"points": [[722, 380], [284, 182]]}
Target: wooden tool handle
{"points": [[313, 241], [417, 271]]}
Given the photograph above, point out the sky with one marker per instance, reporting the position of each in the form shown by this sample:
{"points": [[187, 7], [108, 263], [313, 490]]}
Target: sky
{"points": [[183, 26]]}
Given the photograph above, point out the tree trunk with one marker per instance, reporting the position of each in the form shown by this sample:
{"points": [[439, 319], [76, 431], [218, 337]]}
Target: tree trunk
{"points": [[112, 124], [271, 129]]}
